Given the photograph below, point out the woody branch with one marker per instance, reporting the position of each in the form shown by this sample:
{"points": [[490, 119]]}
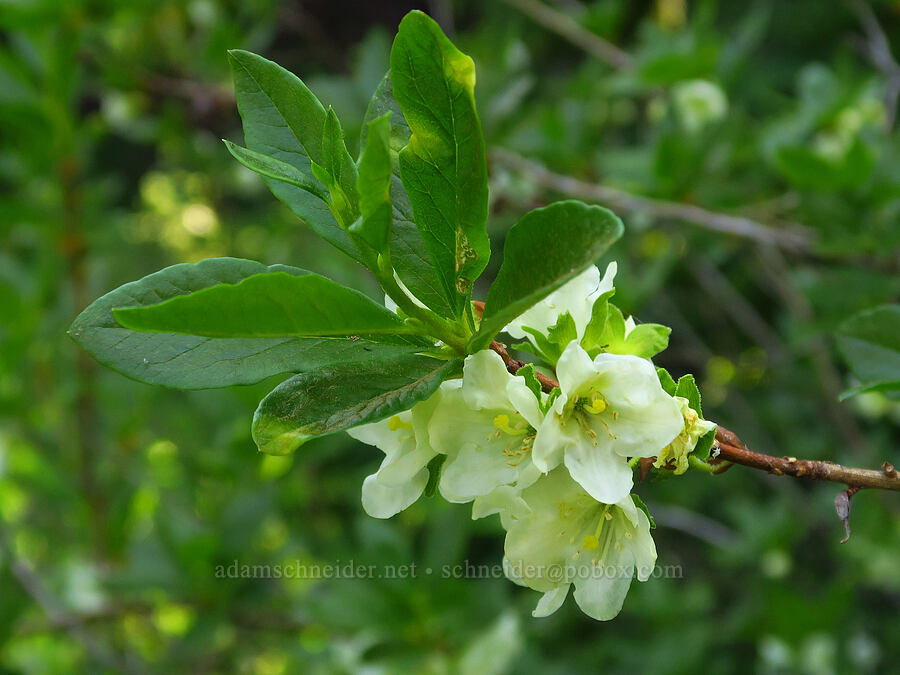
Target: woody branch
{"points": [[729, 448]]}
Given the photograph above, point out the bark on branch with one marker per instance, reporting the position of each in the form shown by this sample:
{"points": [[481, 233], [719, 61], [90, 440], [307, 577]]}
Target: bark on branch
{"points": [[729, 448]]}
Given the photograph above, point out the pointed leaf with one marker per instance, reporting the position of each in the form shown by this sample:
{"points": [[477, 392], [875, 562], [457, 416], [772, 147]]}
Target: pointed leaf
{"points": [[443, 167], [273, 304], [374, 185], [276, 170], [545, 249], [408, 255], [667, 381], [283, 119], [333, 399], [870, 343], [687, 388], [194, 362]]}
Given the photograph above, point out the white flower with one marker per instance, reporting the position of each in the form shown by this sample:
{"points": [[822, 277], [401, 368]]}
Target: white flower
{"points": [[610, 409], [403, 475], [563, 536], [678, 450], [485, 427], [699, 102], [575, 297]]}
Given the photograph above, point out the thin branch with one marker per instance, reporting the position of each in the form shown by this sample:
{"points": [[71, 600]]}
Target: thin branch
{"points": [[56, 613], [569, 29], [744, 314], [776, 273], [730, 448], [879, 50], [797, 238]]}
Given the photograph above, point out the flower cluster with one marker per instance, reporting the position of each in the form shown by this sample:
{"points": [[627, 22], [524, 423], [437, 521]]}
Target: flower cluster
{"points": [[556, 466]]}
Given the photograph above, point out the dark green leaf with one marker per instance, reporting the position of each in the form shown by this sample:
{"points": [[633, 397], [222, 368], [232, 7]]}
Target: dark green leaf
{"points": [[704, 445], [885, 386], [193, 362], [274, 304], [443, 166], [374, 185], [870, 343], [276, 170], [408, 255], [284, 120], [545, 249], [336, 398], [434, 475], [638, 502], [340, 171]]}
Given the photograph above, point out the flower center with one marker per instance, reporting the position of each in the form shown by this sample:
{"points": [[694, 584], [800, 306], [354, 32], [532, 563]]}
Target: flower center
{"points": [[502, 423], [595, 404], [592, 541], [395, 424]]}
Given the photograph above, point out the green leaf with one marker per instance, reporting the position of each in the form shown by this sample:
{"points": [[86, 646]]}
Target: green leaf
{"points": [[284, 120], [597, 324], [638, 502], [667, 381], [336, 398], [544, 250], [408, 255], [884, 386], [434, 474], [194, 362], [645, 340], [374, 185], [687, 388], [276, 169], [704, 445], [551, 346], [274, 304], [529, 373], [443, 166], [337, 171], [870, 343]]}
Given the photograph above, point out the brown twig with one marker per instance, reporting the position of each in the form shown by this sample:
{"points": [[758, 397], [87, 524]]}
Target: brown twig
{"points": [[730, 448], [879, 51], [795, 237], [569, 29]]}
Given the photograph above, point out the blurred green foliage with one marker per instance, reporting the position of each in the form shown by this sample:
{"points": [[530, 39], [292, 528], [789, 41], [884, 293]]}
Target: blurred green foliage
{"points": [[118, 500]]}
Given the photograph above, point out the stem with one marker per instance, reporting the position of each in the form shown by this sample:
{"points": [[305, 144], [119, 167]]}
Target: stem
{"points": [[729, 448], [437, 326]]}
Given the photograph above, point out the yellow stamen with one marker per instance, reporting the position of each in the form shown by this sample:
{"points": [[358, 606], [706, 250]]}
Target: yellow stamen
{"points": [[502, 423], [597, 404], [395, 424]]}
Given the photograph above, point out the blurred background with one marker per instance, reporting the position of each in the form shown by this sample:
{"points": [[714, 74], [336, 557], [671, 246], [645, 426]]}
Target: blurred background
{"points": [[750, 148]]}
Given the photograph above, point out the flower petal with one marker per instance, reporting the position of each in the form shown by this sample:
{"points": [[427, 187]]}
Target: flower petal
{"points": [[524, 401], [553, 437], [551, 601], [484, 380], [574, 369], [382, 500], [602, 593], [603, 474], [646, 418]]}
